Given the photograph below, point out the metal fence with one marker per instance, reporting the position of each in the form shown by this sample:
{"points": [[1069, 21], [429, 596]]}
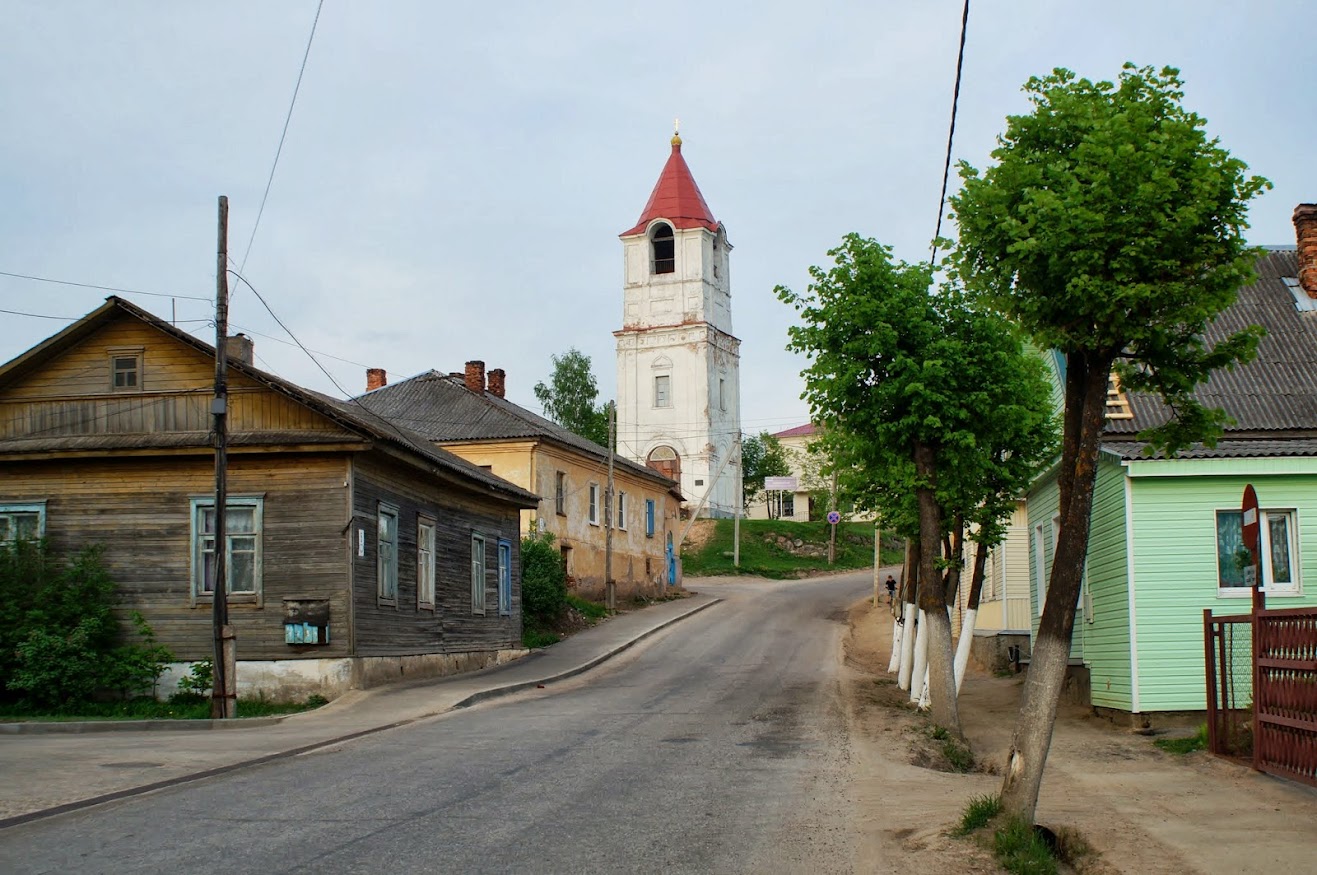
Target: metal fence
{"points": [[1229, 652]]}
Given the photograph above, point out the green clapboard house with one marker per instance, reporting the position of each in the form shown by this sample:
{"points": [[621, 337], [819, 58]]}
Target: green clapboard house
{"points": [[1165, 530]]}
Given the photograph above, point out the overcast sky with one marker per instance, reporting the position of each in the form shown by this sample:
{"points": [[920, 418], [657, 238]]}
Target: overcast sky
{"points": [[455, 175]]}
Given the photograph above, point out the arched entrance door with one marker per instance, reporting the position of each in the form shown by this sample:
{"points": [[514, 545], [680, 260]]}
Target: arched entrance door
{"points": [[666, 461]]}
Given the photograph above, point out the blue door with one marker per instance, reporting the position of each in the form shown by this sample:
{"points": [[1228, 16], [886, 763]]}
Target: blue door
{"points": [[672, 563]]}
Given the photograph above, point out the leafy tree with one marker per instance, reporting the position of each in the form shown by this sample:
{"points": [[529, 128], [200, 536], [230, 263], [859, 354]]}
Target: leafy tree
{"points": [[569, 397], [1111, 229], [543, 580], [762, 456]]}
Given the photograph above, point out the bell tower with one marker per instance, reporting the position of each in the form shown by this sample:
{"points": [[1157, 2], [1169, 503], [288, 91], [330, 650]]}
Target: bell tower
{"points": [[678, 365]]}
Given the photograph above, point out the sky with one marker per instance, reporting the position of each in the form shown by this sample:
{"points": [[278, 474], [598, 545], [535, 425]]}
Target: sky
{"points": [[455, 175]]}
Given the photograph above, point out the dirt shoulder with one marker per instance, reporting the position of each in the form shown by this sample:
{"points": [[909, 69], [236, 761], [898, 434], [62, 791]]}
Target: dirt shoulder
{"points": [[1143, 810]]}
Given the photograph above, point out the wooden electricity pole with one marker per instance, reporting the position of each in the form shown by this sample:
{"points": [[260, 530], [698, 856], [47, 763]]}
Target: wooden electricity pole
{"points": [[610, 586], [222, 703]]}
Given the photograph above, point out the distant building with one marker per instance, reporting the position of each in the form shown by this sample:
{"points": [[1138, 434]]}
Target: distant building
{"points": [[678, 364], [792, 503]]}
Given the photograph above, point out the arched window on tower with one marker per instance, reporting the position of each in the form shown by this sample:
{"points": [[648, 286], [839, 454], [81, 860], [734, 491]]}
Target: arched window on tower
{"points": [[665, 250]]}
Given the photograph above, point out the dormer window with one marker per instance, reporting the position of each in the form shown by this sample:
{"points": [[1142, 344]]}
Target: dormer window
{"points": [[665, 249]]}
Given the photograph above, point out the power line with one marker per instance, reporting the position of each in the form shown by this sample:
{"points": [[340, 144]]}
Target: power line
{"points": [[43, 279], [946, 169], [277, 152]]}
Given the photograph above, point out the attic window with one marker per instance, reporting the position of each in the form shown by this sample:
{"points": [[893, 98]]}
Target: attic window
{"points": [[1118, 405], [665, 260], [126, 370], [1302, 301]]}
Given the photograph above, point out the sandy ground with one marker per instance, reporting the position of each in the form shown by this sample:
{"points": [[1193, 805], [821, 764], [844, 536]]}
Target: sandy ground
{"points": [[1144, 811]]}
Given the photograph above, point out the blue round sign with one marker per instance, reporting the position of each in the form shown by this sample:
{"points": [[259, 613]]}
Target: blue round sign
{"points": [[834, 517]]}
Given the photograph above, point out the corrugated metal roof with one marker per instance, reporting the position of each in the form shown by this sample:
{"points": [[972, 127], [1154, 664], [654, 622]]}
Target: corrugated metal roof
{"points": [[1243, 448], [1274, 393], [441, 408]]}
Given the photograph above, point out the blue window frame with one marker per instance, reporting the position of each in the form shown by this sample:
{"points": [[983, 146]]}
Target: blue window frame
{"points": [[504, 578], [649, 517]]}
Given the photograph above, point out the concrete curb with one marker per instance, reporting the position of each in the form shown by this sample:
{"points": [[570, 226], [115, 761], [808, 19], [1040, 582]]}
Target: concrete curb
{"points": [[78, 727], [491, 693]]}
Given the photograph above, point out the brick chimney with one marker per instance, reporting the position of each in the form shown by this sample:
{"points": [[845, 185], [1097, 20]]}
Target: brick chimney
{"points": [[475, 376], [376, 378], [1305, 232], [497, 381], [239, 348]]}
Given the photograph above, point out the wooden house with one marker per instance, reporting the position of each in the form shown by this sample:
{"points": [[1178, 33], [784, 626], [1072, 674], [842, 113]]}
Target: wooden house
{"points": [[404, 555], [1165, 531], [469, 416]]}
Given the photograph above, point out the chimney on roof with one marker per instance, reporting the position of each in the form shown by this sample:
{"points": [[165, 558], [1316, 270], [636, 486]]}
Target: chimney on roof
{"points": [[238, 348], [376, 378], [475, 376], [497, 382], [1305, 232]]}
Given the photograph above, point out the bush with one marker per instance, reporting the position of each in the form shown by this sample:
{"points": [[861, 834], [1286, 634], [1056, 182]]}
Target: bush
{"points": [[543, 580]]}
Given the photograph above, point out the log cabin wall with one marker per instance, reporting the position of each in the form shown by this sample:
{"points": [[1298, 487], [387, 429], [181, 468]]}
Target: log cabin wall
{"points": [[401, 627], [138, 510]]}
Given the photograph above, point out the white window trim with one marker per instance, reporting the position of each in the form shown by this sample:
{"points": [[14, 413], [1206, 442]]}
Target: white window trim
{"points": [[620, 517], [135, 352], [382, 597], [1292, 590], [25, 507], [194, 572], [593, 517], [425, 562], [504, 573], [479, 573], [668, 400], [651, 517]]}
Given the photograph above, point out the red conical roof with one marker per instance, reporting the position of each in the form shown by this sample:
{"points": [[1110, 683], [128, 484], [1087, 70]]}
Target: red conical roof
{"points": [[676, 198]]}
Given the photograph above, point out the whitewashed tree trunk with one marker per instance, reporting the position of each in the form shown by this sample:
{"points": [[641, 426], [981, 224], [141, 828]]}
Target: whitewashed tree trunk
{"points": [[919, 671], [895, 662], [923, 693], [907, 647], [962, 646]]}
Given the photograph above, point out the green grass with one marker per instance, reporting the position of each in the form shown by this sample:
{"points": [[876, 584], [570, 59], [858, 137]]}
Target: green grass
{"points": [[534, 638], [761, 555], [180, 707], [978, 813], [1021, 851], [1197, 741], [592, 611]]}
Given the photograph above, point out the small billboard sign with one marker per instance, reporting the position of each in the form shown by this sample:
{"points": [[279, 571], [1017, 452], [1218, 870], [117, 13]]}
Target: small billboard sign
{"points": [[785, 484]]}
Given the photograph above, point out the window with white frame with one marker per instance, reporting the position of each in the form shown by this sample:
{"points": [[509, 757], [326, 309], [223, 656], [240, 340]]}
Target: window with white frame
{"points": [[663, 390], [478, 575], [386, 559], [126, 370], [22, 522], [1277, 547], [243, 523], [594, 504], [620, 519], [504, 578], [649, 517], [425, 563]]}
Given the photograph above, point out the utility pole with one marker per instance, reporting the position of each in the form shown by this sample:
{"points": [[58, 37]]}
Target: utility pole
{"points": [[738, 498], [223, 699], [610, 586]]}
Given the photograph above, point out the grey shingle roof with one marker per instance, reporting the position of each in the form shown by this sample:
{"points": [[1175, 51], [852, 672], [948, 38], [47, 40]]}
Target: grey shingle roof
{"points": [[1273, 398], [440, 407]]}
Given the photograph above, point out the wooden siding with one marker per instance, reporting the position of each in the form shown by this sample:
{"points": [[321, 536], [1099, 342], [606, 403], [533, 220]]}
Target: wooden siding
{"points": [[1106, 639], [382, 629], [1174, 538], [138, 510]]}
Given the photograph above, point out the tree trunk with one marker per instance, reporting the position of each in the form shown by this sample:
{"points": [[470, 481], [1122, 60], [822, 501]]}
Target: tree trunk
{"points": [[894, 663], [909, 588], [919, 671], [1051, 652], [971, 614], [932, 595]]}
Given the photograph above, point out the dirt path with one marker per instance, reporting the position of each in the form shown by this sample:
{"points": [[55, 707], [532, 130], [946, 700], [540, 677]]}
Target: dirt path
{"points": [[1143, 810]]}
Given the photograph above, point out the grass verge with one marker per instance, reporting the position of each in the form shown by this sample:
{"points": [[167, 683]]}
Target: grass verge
{"points": [[1197, 741], [769, 548]]}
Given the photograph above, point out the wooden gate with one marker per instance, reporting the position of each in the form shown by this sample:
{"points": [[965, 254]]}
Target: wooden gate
{"points": [[1285, 705]]}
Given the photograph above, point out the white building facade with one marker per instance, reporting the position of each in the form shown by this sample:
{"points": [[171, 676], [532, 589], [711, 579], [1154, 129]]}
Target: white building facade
{"points": [[678, 364]]}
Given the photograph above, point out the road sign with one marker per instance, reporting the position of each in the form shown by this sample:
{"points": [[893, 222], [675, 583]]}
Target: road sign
{"points": [[834, 517], [1250, 513]]}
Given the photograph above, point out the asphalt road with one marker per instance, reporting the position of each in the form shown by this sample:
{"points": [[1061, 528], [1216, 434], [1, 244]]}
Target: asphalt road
{"points": [[717, 746]]}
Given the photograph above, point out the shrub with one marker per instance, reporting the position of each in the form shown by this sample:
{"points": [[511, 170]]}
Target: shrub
{"points": [[978, 813], [1021, 851], [543, 580], [199, 679]]}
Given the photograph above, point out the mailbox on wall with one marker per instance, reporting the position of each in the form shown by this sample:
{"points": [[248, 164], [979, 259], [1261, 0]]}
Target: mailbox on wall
{"points": [[306, 621]]}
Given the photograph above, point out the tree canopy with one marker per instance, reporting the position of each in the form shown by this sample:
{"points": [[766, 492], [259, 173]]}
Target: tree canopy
{"points": [[762, 456], [569, 397], [1111, 230]]}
